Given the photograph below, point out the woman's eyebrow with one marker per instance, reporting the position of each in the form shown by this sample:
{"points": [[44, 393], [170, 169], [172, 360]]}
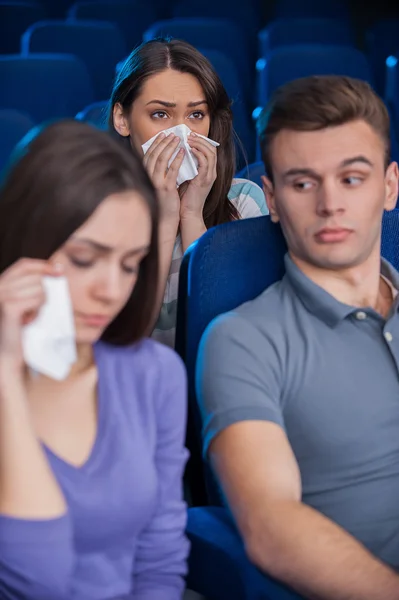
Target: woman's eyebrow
{"points": [[173, 104]]}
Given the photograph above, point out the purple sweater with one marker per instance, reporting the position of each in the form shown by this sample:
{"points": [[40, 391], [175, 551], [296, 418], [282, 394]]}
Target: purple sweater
{"points": [[123, 536]]}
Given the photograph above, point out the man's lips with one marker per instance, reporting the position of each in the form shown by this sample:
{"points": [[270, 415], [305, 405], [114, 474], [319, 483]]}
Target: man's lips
{"points": [[331, 235]]}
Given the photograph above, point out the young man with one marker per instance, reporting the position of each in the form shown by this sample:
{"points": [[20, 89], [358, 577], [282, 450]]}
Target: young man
{"points": [[300, 387]]}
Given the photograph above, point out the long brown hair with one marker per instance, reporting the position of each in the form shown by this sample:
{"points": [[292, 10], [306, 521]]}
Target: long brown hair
{"points": [[55, 185], [157, 55]]}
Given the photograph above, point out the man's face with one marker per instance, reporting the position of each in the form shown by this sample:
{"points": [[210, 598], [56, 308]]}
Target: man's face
{"points": [[329, 192]]}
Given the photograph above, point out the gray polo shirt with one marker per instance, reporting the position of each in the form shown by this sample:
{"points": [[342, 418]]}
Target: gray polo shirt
{"points": [[328, 374]]}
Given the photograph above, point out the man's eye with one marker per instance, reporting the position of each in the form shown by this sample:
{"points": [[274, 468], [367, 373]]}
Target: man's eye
{"points": [[303, 185]]}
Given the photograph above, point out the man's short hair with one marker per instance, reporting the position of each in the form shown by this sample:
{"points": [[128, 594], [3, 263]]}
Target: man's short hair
{"points": [[316, 102]]}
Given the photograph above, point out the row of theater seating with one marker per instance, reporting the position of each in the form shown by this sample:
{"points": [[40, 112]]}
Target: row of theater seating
{"points": [[321, 46], [16, 16], [49, 86]]}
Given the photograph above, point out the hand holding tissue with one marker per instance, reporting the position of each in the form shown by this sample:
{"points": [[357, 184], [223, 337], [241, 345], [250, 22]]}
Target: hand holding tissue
{"points": [[189, 166], [49, 341]]}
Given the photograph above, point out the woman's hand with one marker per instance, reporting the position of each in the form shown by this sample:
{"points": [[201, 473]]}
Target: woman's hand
{"points": [[21, 297], [193, 199], [156, 162]]}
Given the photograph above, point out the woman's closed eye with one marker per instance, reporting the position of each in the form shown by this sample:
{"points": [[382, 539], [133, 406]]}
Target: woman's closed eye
{"points": [[128, 268], [82, 263], [131, 269]]}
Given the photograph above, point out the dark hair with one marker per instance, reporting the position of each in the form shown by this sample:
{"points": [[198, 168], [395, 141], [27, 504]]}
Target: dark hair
{"points": [[317, 102], [60, 180], [157, 55]]}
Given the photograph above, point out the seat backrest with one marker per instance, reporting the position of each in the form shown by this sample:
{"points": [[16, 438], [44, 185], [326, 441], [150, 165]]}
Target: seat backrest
{"points": [[100, 45], [286, 32], [227, 72], [95, 114], [229, 265], [13, 126], [131, 16], [291, 62], [213, 34], [382, 40], [392, 100], [56, 9], [243, 14], [330, 9], [253, 172], [15, 18], [390, 237], [45, 86]]}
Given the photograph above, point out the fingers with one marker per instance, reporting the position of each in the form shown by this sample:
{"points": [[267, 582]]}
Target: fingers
{"points": [[173, 170], [202, 160], [158, 140], [200, 144], [206, 155], [13, 316], [23, 283], [21, 290], [158, 159]]}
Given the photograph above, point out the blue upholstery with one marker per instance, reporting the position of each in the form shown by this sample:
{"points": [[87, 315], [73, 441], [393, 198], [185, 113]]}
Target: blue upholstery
{"points": [[229, 265], [95, 114], [327, 9], [46, 86], [218, 566], [390, 237], [291, 62], [13, 126], [253, 172], [99, 45], [382, 40], [227, 72], [131, 16], [214, 34], [15, 17], [286, 32], [56, 9], [391, 92], [242, 14], [253, 251]]}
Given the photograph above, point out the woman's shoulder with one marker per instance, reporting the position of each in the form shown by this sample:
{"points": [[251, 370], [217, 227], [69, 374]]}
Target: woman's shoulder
{"points": [[146, 378], [146, 355], [248, 198]]}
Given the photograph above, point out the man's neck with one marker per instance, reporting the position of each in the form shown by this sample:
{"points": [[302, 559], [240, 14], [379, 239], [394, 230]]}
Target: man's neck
{"points": [[360, 286]]}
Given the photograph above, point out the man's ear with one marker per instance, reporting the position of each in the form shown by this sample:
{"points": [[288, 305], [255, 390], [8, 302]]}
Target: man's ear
{"points": [[391, 186], [120, 122], [268, 190]]}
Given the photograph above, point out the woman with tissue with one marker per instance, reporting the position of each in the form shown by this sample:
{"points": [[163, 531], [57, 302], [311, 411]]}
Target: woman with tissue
{"points": [[92, 415], [169, 103]]}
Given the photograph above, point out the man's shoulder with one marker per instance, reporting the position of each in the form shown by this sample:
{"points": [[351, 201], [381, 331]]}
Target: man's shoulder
{"points": [[257, 321]]}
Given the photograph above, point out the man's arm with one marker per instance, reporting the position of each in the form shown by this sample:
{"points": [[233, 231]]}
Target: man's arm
{"points": [[283, 537]]}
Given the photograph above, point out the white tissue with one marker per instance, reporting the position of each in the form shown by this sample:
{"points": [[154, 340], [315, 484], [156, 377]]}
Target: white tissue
{"points": [[49, 341], [188, 169]]}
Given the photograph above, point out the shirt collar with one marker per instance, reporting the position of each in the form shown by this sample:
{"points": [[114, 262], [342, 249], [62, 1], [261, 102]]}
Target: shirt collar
{"points": [[322, 304]]}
